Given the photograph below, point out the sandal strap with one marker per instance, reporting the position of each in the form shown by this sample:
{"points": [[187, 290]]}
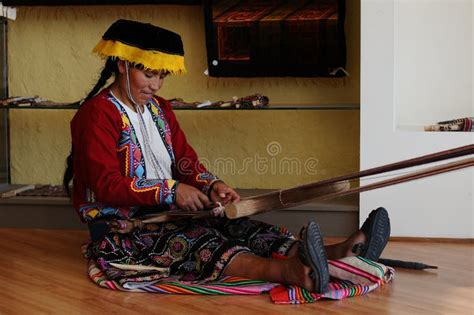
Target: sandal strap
{"points": [[358, 248]]}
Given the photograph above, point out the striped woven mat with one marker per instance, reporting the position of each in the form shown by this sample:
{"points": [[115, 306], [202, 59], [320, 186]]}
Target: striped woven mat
{"points": [[350, 276]]}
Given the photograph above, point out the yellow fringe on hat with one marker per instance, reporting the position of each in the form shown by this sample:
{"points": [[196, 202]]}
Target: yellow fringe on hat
{"points": [[152, 60]]}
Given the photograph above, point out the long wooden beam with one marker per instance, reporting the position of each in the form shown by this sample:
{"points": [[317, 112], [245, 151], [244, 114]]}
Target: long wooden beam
{"points": [[265, 203], [443, 168], [273, 201], [250, 206], [304, 193], [425, 159], [332, 187]]}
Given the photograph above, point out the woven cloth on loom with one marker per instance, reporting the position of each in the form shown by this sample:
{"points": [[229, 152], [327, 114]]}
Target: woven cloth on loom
{"points": [[350, 276]]}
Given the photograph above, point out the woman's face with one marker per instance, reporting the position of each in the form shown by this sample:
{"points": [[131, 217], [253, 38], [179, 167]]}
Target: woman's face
{"points": [[143, 83]]}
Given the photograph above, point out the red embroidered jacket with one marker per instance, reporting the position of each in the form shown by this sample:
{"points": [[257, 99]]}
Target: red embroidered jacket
{"points": [[109, 168]]}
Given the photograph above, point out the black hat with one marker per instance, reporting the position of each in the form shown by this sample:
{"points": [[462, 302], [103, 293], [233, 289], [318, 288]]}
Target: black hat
{"points": [[142, 43]]}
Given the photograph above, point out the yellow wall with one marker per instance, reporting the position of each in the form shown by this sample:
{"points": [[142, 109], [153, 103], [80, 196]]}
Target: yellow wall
{"points": [[49, 55]]}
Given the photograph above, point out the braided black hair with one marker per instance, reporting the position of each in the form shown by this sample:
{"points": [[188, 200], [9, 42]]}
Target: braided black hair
{"points": [[110, 68]]}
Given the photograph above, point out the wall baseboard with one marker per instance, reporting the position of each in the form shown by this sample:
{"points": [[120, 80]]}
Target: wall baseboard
{"points": [[432, 239]]}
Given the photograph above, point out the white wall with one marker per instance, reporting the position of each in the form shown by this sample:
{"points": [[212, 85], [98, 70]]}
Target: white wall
{"points": [[439, 206], [433, 61]]}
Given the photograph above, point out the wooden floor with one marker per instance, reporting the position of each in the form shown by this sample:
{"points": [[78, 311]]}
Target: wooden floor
{"points": [[42, 271]]}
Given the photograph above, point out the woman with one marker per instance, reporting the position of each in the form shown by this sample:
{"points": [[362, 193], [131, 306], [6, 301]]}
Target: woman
{"points": [[131, 158]]}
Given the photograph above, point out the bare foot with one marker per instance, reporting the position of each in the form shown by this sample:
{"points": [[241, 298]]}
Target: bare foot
{"points": [[297, 273], [344, 249], [340, 250]]}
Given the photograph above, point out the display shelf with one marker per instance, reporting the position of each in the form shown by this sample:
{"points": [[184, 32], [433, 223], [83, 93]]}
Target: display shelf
{"points": [[39, 107], [281, 107], [275, 107]]}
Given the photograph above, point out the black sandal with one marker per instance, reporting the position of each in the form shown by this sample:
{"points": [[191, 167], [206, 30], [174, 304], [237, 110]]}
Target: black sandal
{"points": [[377, 230], [313, 254]]}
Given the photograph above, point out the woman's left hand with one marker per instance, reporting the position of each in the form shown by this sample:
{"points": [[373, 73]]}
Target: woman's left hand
{"points": [[223, 194]]}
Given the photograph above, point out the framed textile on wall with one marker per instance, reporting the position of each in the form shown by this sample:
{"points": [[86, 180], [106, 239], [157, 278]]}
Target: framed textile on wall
{"points": [[252, 38], [94, 2]]}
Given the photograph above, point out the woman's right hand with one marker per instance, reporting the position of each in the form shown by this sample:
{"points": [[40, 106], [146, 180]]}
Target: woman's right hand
{"points": [[190, 198]]}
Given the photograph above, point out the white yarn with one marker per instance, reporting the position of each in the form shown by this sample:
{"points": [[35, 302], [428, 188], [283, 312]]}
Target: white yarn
{"points": [[219, 210]]}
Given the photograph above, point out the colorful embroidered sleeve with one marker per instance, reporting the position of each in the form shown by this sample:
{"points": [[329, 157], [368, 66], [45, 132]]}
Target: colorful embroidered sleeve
{"points": [[96, 132], [188, 168]]}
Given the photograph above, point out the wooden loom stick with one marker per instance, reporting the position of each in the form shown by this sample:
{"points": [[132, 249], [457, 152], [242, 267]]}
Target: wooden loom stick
{"points": [[443, 168], [253, 205], [268, 202], [425, 159], [332, 187], [139, 267], [273, 201], [176, 214]]}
